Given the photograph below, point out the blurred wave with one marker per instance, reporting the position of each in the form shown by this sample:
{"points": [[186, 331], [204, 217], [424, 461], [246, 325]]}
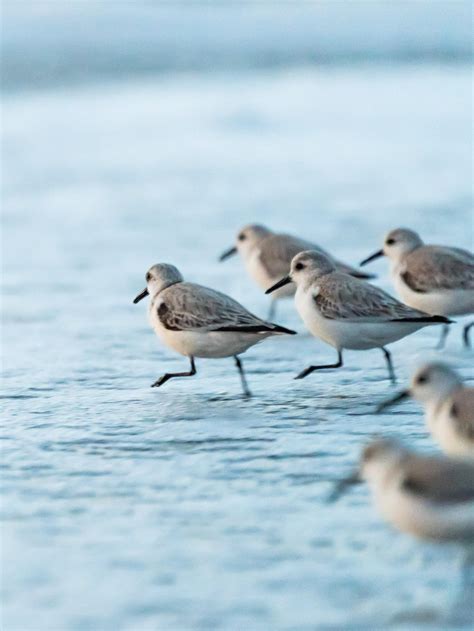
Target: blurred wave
{"points": [[54, 43]]}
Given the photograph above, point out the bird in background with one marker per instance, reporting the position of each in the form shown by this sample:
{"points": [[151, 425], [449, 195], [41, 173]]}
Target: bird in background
{"points": [[196, 321], [448, 405], [267, 257], [346, 312], [431, 497], [433, 278]]}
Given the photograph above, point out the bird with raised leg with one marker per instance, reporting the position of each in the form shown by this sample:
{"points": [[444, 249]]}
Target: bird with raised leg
{"points": [[348, 313], [196, 321]]}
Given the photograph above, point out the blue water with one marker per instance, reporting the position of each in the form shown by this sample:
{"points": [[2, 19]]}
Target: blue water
{"points": [[126, 507]]}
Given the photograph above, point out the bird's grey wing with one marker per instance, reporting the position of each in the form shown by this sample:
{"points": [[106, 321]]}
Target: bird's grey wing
{"points": [[438, 480], [464, 254], [345, 268], [278, 250], [342, 297], [352, 271], [190, 307], [432, 267], [462, 413]]}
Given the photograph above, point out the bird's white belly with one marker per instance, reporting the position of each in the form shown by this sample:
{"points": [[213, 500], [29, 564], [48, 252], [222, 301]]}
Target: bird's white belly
{"points": [[423, 518], [211, 344], [448, 302], [444, 432], [351, 335], [260, 275]]}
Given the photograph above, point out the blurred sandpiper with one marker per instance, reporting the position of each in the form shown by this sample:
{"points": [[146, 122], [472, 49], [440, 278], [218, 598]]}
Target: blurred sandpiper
{"points": [[427, 496], [448, 404]]}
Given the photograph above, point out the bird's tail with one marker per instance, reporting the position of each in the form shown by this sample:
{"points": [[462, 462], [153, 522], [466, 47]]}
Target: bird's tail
{"points": [[265, 327], [436, 319], [281, 329], [362, 275]]}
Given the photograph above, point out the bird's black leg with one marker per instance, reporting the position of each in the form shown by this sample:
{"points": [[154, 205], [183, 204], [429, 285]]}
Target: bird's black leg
{"points": [[240, 368], [272, 311], [171, 375], [442, 339], [465, 334], [311, 369], [388, 359]]}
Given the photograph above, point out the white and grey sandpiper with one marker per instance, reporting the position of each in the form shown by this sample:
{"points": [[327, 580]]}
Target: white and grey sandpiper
{"points": [[436, 279], [448, 404], [267, 257], [196, 321], [346, 312], [428, 496]]}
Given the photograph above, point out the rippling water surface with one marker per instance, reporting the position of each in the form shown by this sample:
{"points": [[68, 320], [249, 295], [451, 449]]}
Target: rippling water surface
{"points": [[127, 507]]}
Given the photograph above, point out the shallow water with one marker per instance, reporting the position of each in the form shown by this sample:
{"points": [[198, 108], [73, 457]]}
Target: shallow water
{"points": [[187, 507]]}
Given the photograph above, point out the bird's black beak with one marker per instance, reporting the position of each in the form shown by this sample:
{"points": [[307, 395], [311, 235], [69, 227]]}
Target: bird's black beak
{"points": [[401, 396], [341, 487], [281, 283], [141, 296], [228, 253], [372, 257]]}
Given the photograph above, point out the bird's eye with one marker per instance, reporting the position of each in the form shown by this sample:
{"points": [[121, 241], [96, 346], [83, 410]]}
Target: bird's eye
{"points": [[241, 237], [148, 277], [299, 266], [422, 379], [390, 241]]}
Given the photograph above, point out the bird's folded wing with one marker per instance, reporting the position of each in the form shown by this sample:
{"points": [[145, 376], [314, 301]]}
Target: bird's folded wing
{"points": [[342, 297], [462, 413], [438, 480], [352, 271], [190, 307], [278, 250], [432, 268]]}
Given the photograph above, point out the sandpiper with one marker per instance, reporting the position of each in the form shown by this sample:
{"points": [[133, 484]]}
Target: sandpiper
{"points": [[428, 496], [196, 321], [267, 257], [436, 279], [448, 404], [346, 312]]}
